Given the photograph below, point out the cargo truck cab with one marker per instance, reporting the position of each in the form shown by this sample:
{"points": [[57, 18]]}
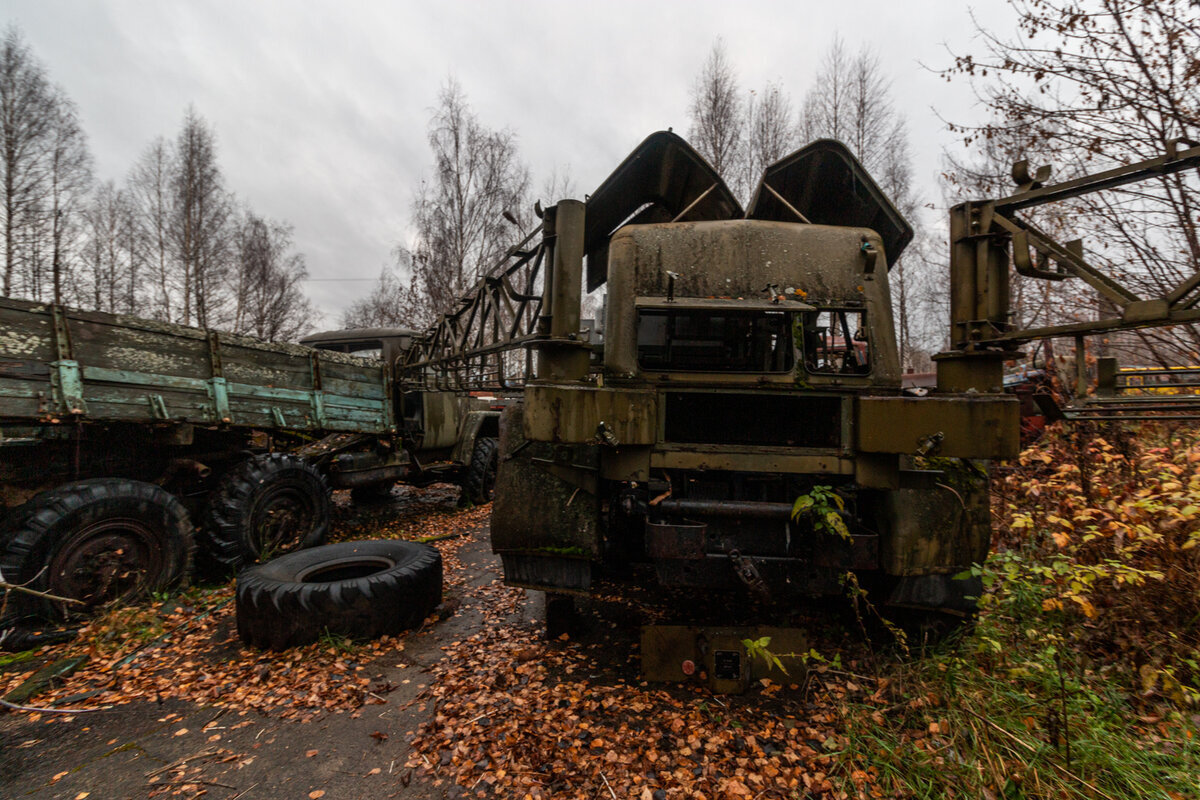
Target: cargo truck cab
{"points": [[745, 429]]}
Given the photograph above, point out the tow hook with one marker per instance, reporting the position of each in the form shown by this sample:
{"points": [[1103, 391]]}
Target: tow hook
{"points": [[929, 445], [748, 574], [605, 436]]}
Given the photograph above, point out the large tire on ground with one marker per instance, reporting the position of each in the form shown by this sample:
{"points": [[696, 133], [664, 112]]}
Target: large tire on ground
{"points": [[97, 541], [480, 480], [358, 589], [264, 507]]}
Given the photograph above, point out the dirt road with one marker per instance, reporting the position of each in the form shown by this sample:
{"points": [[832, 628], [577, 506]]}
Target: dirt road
{"points": [[151, 749], [476, 703]]}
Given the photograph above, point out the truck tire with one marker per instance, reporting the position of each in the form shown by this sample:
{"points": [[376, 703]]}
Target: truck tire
{"points": [[98, 541], [359, 589], [480, 480], [266, 506]]}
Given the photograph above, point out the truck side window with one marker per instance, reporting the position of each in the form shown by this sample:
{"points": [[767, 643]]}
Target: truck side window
{"points": [[834, 341], [367, 349], [707, 340]]}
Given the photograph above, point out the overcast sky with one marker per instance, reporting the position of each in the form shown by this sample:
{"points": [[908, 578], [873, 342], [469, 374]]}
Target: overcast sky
{"points": [[320, 108]]}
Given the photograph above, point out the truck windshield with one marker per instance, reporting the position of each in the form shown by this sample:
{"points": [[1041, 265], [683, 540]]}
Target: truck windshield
{"points": [[707, 340], [366, 348], [834, 340]]}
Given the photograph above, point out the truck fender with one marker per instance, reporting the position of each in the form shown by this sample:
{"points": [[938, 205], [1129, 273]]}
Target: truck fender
{"points": [[475, 424]]}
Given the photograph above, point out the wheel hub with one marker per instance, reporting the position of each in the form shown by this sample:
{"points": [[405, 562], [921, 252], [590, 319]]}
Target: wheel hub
{"points": [[103, 562], [282, 520]]}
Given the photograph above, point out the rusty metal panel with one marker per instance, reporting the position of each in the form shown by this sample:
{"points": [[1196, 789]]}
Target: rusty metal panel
{"points": [[545, 503], [675, 540], [942, 529], [625, 463], [717, 655], [573, 414], [738, 259], [750, 459], [962, 426], [662, 179]]}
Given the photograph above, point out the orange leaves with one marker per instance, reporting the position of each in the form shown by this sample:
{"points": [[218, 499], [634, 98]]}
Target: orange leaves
{"points": [[1089, 610], [552, 727], [189, 648]]}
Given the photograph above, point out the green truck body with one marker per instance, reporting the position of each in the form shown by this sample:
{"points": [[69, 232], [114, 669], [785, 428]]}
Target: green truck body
{"points": [[60, 365], [121, 436]]}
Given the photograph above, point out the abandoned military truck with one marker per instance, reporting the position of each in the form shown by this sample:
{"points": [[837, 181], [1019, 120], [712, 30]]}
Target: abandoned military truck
{"points": [[126, 442], [742, 426]]}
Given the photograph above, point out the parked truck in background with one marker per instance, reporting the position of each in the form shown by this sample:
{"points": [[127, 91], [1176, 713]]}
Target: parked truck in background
{"points": [[126, 442]]}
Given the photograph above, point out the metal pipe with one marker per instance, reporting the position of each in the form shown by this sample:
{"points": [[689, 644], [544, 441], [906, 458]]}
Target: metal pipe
{"points": [[737, 509]]}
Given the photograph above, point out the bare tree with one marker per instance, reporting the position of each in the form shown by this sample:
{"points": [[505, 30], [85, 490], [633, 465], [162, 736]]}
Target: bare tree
{"points": [[716, 112], [27, 118], [70, 177], [149, 186], [270, 303], [558, 185], [460, 213], [200, 223], [388, 305], [770, 133], [850, 100], [1089, 84], [107, 277]]}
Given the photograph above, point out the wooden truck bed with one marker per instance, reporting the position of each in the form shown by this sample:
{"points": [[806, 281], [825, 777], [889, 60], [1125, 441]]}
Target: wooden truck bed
{"points": [[58, 364]]}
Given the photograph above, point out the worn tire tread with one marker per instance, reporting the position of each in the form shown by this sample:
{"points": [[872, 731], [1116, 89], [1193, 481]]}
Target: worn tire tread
{"points": [[31, 535], [275, 611], [224, 535], [474, 483]]}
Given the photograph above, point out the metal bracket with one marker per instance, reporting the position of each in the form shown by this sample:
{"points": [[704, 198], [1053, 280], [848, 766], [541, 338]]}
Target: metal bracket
{"points": [[1026, 180], [318, 394], [214, 354], [67, 385], [748, 574], [871, 255], [158, 406], [930, 444], [66, 379], [218, 389], [60, 333]]}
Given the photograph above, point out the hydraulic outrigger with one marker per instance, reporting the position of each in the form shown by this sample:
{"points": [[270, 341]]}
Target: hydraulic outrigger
{"points": [[989, 243]]}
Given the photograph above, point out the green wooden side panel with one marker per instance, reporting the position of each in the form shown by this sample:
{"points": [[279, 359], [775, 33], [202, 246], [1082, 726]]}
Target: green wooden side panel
{"points": [[109, 367]]}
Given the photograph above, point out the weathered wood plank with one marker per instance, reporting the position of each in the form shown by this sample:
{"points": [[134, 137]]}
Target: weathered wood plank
{"points": [[142, 370]]}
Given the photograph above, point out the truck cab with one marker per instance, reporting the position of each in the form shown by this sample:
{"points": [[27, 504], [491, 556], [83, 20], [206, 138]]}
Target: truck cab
{"points": [[442, 433], [745, 428]]}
